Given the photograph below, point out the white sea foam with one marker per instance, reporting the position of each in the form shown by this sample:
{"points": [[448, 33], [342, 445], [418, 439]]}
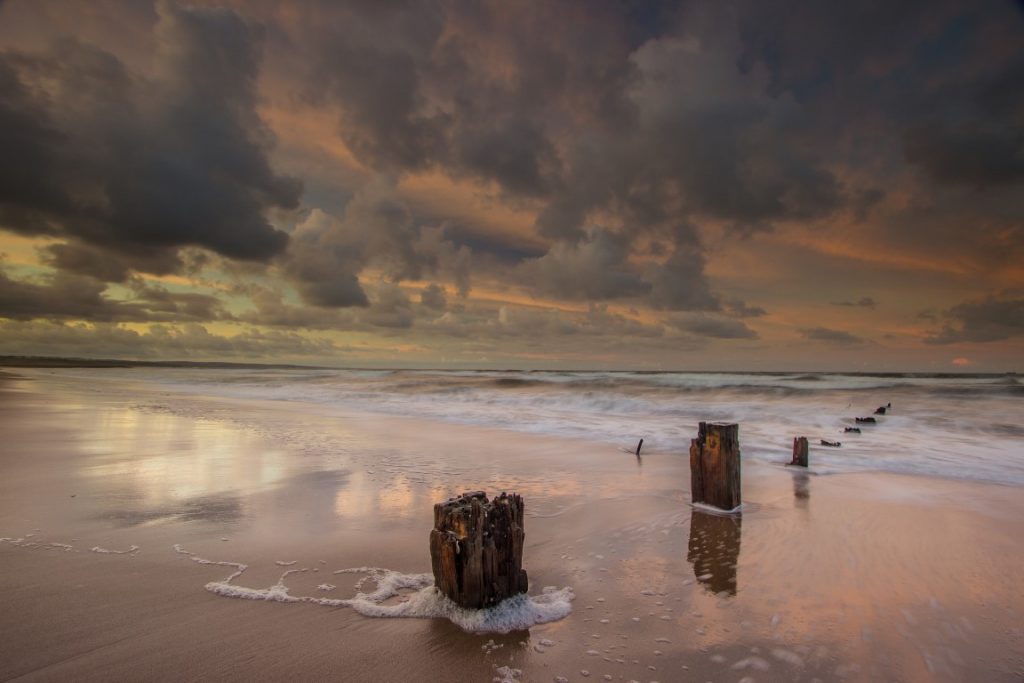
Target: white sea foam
{"points": [[753, 662], [66, 547], [788, 657], [711, 509], [506, 674], [106, 551], [514, 614], [24, 542], [517, 613]]}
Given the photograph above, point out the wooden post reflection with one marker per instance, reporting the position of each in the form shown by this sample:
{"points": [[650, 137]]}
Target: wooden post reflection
{"points": [[714, 550], [801, 488]]}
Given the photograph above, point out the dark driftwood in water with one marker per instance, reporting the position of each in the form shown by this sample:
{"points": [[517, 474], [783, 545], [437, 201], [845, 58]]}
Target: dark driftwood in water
{"points": [[852, 430], [830, 444], [799, 451], [476, 549], [865, 420], [638, 446], [715, 465], [880, 410]]}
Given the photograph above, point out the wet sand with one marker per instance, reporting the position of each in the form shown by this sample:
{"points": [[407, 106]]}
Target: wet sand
{"points": [[840, 577]]}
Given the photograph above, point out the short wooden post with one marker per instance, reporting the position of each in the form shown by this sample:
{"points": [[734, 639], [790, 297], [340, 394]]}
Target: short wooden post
{"points": [[476, 549], [715, 465], [799, 451]]}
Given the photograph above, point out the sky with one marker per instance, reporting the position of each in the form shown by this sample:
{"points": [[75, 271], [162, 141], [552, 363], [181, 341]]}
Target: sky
{"points": [[606, 184]]}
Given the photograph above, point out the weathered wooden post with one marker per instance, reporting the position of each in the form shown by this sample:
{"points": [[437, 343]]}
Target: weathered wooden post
{"points": [[476, 549], [715, 465], [799, 451]]}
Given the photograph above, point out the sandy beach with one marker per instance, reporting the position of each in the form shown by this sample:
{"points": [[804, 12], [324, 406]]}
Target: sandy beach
{"points": [[111, 490]]}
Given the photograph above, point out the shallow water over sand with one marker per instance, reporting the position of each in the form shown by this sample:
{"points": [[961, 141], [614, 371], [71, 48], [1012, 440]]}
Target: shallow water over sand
{"points": [[851, 576], [961, 427]]}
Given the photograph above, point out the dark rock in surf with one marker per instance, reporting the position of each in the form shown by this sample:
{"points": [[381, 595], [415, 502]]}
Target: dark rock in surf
{"points": [[880, 410], [852, 430], [830, 444], [865, 420]]}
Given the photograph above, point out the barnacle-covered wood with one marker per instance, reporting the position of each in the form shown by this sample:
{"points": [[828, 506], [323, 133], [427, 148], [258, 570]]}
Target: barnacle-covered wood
{"points": [[476, 549]]}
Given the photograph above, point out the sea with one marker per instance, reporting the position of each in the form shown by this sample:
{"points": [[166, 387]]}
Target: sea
{"points": [[963, 426]]}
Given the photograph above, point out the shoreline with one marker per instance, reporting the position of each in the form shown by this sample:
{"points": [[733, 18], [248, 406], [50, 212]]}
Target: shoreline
{"points": [[57, 362], [839, 576]]}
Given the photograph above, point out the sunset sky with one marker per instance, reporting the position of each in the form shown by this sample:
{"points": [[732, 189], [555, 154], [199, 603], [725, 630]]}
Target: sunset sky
{"points": [[491, 183]]}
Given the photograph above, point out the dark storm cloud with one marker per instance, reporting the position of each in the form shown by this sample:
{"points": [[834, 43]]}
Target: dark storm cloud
{"points": [[503, 248], [981, 156], [742, 116], [142, 164], [474, 88], [187, 342], [158, 303], [972, 135], [594, 268], [367, 57], [863, 302], [65, 296], [740, 309], [598, 267], [634, 134], [989, 320], [679, 284], [391, 308], [515, 153], [85, 260], [378, 230], [583, 109], [434, 297], [830, 336], [717, 327], [943, 81], [69, 296]]}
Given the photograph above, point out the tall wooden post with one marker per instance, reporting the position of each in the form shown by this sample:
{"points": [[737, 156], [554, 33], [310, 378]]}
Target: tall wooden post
{"points": [[715, 465], [799, 451], [476, 549]]}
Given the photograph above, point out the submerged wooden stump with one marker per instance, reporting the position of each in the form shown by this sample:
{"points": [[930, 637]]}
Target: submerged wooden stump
{"points": [[799, 451], [715, 465], [476, 549]]}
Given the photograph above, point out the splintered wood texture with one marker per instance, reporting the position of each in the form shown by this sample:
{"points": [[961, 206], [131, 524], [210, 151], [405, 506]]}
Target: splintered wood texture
{"points": [[476, 549], [799, 451], [715, 465]]}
